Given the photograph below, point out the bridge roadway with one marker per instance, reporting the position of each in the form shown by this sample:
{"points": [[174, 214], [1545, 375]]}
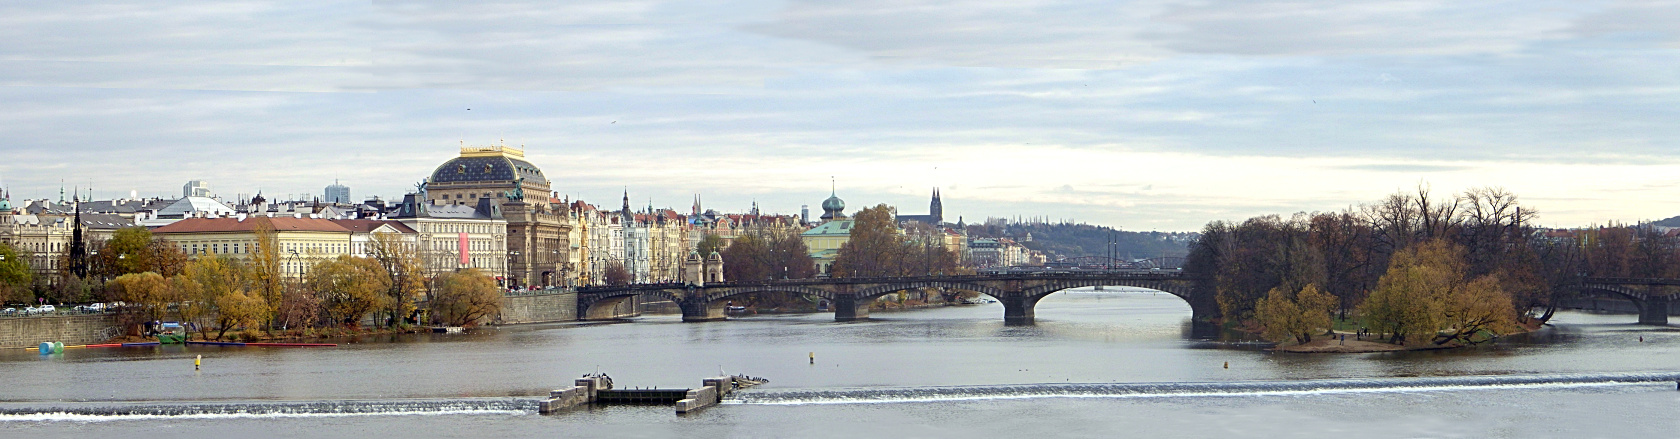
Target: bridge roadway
{"points": [[1018, 292], [1652, 296]]}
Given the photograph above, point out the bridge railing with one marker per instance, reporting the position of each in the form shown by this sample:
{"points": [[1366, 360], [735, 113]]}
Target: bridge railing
{"points": [[1032, 275], [1629, 281]]}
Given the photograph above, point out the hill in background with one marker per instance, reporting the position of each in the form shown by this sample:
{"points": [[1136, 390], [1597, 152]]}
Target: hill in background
{"points": [[1070, 240]]}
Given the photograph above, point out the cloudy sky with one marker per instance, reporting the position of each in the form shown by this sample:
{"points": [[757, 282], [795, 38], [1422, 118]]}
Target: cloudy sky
{"points": [[1147, 115]]}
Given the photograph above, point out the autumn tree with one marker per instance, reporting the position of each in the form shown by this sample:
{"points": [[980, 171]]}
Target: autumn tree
{"points": [[16, 277], [165, 258], [1427, 293], [405, 269], [147, 292], [875, 248], [755, 257], [465, 298], [218, 289], [616, 274], [349, 287], [1296, 316], [267, 277]]}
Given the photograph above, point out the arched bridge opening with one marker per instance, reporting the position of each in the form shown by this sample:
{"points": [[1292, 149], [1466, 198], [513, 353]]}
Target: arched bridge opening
{"points": [[712, 304], [1653, 308], [604, 306]]}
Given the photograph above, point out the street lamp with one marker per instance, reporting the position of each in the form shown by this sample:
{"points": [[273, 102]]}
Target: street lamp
{"points": [[295, 267], [507, 270]]}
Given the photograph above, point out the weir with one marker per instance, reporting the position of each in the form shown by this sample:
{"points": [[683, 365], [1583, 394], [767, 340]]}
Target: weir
{"points": [[598, 389]]}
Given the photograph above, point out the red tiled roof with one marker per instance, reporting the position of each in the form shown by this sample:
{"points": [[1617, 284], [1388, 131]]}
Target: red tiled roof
{"points": [[281, 224]]}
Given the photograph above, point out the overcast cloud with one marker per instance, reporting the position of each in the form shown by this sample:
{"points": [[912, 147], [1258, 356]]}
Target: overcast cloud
{"points": [[1148, 115]]}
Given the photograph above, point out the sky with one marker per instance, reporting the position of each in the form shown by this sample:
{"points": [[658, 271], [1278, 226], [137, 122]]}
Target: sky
{"points": [[1146, 115]]}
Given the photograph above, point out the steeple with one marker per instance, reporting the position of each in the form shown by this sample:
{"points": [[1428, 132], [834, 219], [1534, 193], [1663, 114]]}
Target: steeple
{"points": [[626, 211], [78, 246], [936, 211]]}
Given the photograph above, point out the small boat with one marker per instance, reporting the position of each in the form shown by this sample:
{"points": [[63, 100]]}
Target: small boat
{"points": [[739, 311], [171, 333]]}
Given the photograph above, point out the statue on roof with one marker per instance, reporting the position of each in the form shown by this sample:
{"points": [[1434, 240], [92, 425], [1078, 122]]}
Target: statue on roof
{"points": [[518, 192]]}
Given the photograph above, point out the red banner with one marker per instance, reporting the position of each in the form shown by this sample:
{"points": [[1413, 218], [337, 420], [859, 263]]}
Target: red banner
{"points": [[462, 243]]}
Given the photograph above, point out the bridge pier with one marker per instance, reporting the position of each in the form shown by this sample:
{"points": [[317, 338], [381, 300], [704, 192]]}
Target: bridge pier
{"points": [[1017, 309], [1654, 311], [700, 311], [848, 308]]}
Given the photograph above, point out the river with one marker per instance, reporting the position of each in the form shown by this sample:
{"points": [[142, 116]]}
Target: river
{"points": [[1097, 364]]}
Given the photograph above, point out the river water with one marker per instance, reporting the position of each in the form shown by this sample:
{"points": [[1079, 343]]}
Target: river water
{"points": [[1097, 364]]}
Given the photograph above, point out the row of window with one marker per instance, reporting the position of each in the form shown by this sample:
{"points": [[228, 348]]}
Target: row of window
{"points": [[457, 228]]}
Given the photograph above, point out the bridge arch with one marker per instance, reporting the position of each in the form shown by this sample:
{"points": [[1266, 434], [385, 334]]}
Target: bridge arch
{"points": [[600, 305], [1018, 308], [1653, 308]]}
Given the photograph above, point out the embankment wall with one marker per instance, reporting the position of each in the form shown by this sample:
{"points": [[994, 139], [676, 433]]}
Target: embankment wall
{"points": [[21, 332]]}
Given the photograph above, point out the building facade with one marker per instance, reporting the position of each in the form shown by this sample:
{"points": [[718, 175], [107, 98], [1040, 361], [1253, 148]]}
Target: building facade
{"points": [[538, 226]]}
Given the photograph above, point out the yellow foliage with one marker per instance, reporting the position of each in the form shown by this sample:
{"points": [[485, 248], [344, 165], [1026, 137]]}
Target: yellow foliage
{"points": [[1426, 293], [465, 297]]}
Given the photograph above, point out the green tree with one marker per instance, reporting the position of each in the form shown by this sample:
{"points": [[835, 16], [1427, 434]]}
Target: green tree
{"points": [[16, 278], [465, 298], [128, 251], [349, 287], [710, 243]]}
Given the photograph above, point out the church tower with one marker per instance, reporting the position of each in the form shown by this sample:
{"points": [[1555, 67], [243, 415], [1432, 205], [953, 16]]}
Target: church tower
{"points": [[936, 211]]}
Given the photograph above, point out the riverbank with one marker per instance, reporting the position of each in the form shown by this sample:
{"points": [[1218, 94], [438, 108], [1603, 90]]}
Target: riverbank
{"points": [[1349, 343], [252, 335]]}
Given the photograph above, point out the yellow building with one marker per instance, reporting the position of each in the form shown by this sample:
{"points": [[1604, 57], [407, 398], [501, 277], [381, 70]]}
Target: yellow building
{"points": [[302, 241]]}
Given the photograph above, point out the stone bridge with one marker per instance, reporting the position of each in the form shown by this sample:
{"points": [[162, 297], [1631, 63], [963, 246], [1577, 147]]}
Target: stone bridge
{"points": [[1018, 292], [1652, 296]]}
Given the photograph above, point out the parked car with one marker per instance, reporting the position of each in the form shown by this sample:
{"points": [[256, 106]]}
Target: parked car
{"points": [[29, 311], [46, 309], [9, 311]]}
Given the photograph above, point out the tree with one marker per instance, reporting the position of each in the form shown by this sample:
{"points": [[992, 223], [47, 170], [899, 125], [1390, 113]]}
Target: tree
{"points": [[1427, 293], [165, 258], [466, 297], [265, 268], [217, 288], [298, 308], [875, 248], [710, 243], [128, 251], [148, 291], [16, 277], [405, 269], [616, 274], [1295, 316], [349, 287]]}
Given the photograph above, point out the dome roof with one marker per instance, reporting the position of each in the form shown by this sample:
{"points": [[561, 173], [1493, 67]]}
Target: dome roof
{"points": [[833, 203], [486, 166]]}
